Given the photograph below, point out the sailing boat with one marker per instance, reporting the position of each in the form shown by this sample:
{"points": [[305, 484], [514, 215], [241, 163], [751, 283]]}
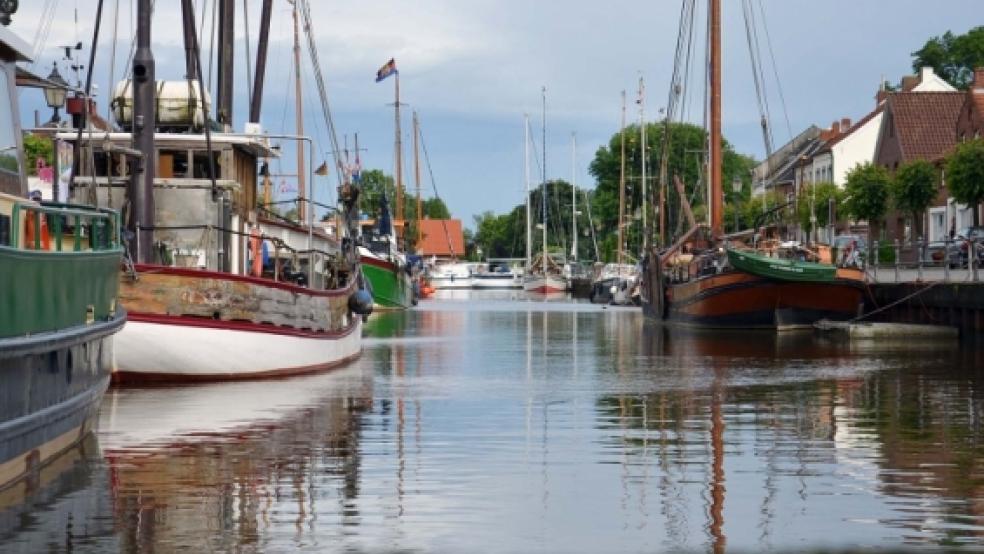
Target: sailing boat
{"points": [[221, 288], [705, 280], [383, 262], [616, 282], [543, 274]]}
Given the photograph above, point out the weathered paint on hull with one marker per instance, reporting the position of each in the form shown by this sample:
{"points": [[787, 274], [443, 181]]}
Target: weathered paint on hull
{"points": [[740, 300], [51, 387], [391, 287], [196, 325]]}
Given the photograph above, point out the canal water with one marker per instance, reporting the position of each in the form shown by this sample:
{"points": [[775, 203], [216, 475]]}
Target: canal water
{"points": [[500, 424]]}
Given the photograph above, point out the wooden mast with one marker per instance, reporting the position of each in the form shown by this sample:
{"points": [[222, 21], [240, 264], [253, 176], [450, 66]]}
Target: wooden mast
{"points": [[299, 118], [399, 155], [717, 192], [416, 171], [526, 178], [621, 188]]}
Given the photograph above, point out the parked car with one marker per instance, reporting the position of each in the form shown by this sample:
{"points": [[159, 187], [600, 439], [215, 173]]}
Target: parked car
{"points": [[960, 247]]}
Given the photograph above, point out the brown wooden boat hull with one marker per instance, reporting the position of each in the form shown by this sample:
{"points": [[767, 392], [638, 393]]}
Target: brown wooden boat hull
{"points": [[741, 300]]}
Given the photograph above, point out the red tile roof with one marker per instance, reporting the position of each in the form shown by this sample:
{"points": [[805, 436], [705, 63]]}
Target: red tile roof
{"points": [[926, 122], [435, 240]]}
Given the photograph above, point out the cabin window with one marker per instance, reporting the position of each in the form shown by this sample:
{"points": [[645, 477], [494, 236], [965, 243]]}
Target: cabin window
{"points": [[4, 230], [200, 169], [173, 164]]}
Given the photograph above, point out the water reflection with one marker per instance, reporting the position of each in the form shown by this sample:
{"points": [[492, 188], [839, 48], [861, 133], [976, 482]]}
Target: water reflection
{"points": [[500, 426]]}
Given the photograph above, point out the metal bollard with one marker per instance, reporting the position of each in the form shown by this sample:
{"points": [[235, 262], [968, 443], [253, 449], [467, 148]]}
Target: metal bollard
{"points": [[875, 257], [946, 259], [972, 257], [897, 260], [920, 252]]}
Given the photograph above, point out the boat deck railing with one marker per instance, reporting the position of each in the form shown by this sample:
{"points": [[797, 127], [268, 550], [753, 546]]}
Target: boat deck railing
{"points": [[60, 227], [950, 260]]}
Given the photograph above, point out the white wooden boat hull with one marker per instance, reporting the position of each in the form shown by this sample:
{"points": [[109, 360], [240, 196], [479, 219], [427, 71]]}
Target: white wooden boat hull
{"points": [[497, 282], [545, 284], [450, 282], [183, 350]]}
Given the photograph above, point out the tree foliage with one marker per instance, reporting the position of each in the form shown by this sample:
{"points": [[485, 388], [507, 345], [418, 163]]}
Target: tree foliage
{"points": [[820, 199], [953, 57], [684, 159], [867, 190], [374, 182], [38, 147], [965, 174], [914, 189]]}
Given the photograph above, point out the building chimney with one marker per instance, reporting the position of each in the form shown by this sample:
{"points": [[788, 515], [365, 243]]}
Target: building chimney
{"points": [[845, 124], [910, 82], [925, 74], [979, 78]]}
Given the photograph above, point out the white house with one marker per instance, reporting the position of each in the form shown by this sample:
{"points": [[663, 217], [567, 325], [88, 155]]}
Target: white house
{"points": [[851, 145]]}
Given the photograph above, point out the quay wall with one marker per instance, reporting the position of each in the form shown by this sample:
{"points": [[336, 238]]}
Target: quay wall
{"points": [[957, 304]]}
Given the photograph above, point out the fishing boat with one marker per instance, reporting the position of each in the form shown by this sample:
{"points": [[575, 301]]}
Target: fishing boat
{"points": [[385, 263], [708, 280], [386, 268], [221, 287], [59, 303]]}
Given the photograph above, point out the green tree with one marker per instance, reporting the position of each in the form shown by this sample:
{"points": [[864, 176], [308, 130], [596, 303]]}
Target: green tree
{"points": [[965, 174], [867, 190], [953, 57], [684, 159], [913, 190], [37, 147], [820, 199]]}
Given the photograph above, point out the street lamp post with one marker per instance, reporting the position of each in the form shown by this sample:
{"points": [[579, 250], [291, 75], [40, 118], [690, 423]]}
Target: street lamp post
{"points": [[736, 189], [54, 94]]}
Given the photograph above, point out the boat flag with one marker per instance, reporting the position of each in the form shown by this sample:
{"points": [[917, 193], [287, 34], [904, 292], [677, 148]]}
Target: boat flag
{"points": [[389, 68], [356, 169], [322, 169]]}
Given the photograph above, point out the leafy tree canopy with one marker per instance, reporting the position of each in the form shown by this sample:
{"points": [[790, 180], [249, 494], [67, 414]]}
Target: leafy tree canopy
{"points": [[965, 173], [914, 188], [867, 190], [953, 57], [37, 147]]}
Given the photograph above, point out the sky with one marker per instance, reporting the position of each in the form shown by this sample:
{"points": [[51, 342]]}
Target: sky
{"points": [[473, 68]]}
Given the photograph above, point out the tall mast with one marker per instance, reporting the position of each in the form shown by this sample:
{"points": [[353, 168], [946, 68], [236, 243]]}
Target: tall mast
{"points": [[261, 59], [416, 171], [717, 192], [621, 187], [141, 186], [526, 177], [299, 117], [573, 196], [543, 182], [645, 186], [399, 155], [226, 66]]}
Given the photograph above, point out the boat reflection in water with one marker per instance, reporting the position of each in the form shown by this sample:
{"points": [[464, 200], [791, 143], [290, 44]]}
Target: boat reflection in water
{"points": [[829, 442], [216, 467], [64, 505]]}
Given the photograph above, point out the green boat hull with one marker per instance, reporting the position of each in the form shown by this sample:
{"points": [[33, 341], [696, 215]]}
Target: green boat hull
{"points": [[391, 287], [779, 269]]}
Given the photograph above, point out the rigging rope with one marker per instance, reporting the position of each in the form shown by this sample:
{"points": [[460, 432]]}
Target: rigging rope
{"points": [[249, 60], [322, 91], [775, 70], [430, 171]]}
